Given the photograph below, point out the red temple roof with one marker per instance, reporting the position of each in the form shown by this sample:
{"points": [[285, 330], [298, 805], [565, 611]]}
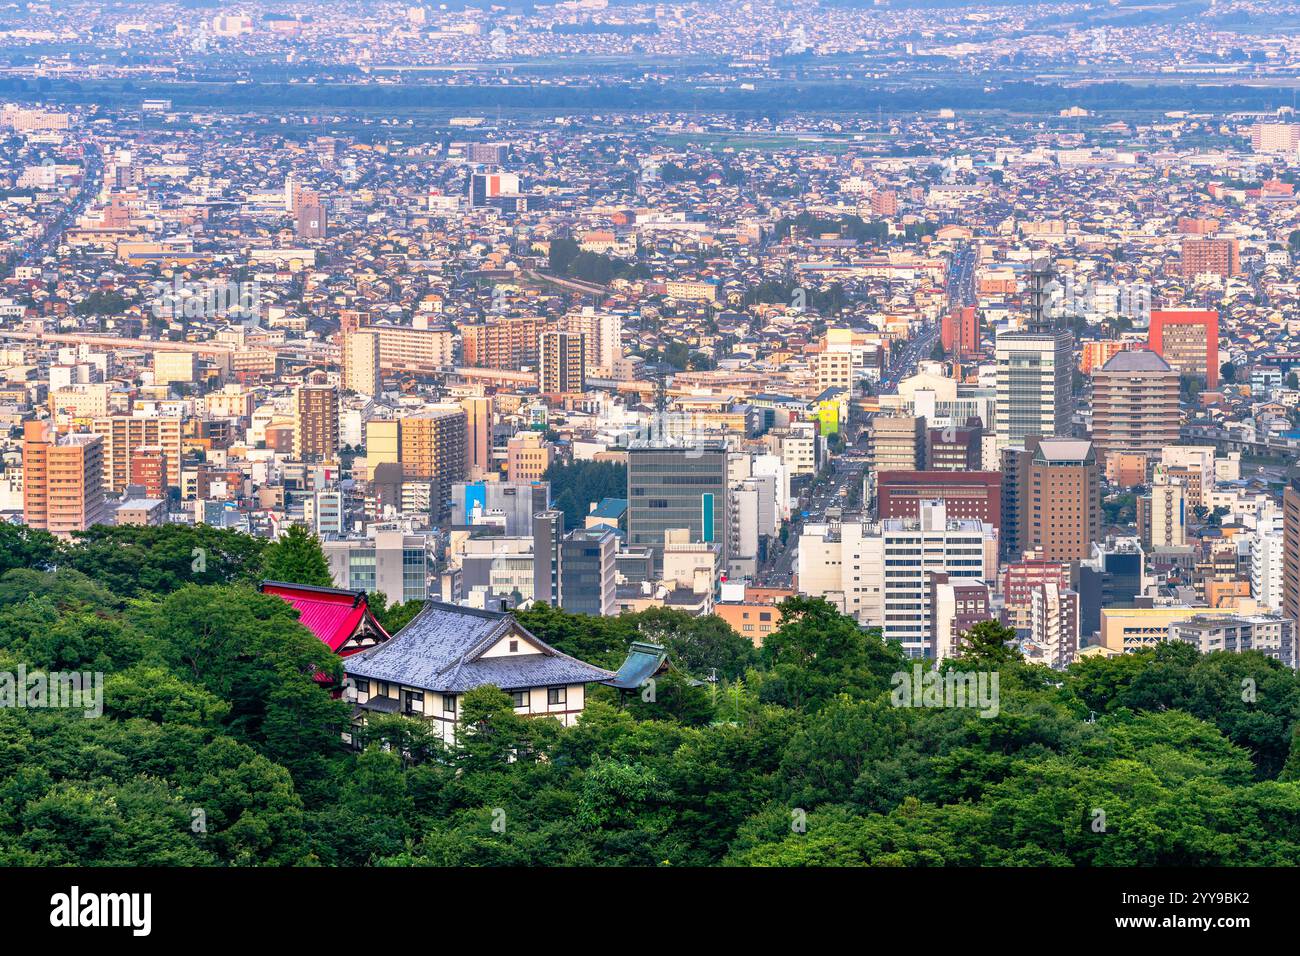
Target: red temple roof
{"points": [[334, 615]]}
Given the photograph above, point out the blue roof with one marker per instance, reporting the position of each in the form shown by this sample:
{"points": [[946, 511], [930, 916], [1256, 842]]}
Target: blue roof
{"points": [[441, 650], [643, 662], [609, 508]]}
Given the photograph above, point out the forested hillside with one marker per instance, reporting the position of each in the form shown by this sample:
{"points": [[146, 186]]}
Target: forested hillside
{"points": [[217, 747]]}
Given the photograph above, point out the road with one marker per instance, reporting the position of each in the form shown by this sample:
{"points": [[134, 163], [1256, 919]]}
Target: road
{"points": [[93, 173], [842, 484]]}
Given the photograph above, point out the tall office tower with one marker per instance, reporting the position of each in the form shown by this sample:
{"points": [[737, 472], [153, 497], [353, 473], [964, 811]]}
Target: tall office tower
{"points": [[361, 363], [587, 571], [894, 443], [316, 423], [505, 343], [548, 557], [1291, 546], [1214, 256], [960, 332], [604, 339], [1134, 404], [432, 448], [915, 548], [1034, 385], [1051, 490], [1266, 561], [1054, 625], [309, 217], [1188, 339], [676, 487], [1162, 513], [1035, 370], [478, 434], [125, 434], [564, 363], [63, 480], [1113, 577], [955, 448], [485, 186]]}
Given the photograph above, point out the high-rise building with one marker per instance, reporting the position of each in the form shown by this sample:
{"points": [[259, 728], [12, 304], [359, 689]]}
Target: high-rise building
{"points": [[1275, 137], [388, 561], [1134, 404], [894, 443], [432, 448], [603, 339], [1020, 579], [548, 557], [955, 607], [148, 469], [587, 580], [478, 434], [408, 349], [963, 549], [124, 434], [1266, 556], [485, 186], [563, 363], [361, 366], [1054, 625], [673, 487], [1210, 256], [1052, 493], [1035, 385], [504, 343], [960, 332], [1162, 517], [1188, 339], [1291, 547], [1270, 634], [63, 480], [309, 216], [316, 422]]}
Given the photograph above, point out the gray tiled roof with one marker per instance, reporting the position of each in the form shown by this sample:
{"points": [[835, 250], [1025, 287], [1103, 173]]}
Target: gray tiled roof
{"points": [[439, 651]]}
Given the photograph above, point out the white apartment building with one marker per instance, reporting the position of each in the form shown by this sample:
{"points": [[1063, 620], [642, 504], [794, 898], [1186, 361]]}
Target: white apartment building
{"points": [[879, 572]]}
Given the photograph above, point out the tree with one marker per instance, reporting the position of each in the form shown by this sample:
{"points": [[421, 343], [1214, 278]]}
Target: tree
{"points": [[988, 643], [297, 558]]}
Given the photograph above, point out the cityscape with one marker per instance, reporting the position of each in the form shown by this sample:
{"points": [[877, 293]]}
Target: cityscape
{"points": [[698, 434]]}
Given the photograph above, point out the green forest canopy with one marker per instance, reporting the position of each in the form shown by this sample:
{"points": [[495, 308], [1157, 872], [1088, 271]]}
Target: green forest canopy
{"points": [[218, 748]]}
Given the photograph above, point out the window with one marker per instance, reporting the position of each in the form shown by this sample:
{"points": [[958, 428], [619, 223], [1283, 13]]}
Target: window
{"points": [[514, 647], [556, 695], [413, 702], [448, 704], [521, 697], [361, 684]]}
